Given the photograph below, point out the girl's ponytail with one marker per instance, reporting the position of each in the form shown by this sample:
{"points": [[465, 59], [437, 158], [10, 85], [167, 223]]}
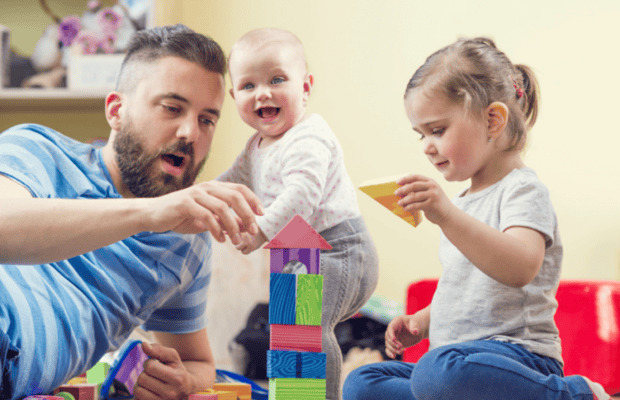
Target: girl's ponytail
{"points": [[531, 94]]}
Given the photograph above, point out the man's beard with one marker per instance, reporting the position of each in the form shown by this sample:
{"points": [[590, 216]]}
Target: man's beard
{"points": [[140, 172]]}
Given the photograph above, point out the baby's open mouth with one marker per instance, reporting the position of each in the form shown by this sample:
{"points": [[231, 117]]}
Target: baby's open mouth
{"points": [[268, 112]]}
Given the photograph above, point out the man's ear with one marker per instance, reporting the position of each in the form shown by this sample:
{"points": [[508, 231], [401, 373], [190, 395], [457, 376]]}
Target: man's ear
{"points": [[497, 118], [113, 102]]}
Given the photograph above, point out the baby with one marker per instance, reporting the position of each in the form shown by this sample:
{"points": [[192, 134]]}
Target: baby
{"points": [[295, 164]]}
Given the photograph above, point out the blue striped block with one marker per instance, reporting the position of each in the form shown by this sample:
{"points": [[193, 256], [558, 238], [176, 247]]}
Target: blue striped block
{"points": [[282, 298], [294, 364]]}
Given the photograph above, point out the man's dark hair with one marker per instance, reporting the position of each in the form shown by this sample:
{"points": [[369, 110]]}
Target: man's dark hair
{"points": [[150, 45]]}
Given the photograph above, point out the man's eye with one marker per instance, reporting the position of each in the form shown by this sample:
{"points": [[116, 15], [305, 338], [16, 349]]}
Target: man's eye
{"points": [[172, 109], [207, 121]]}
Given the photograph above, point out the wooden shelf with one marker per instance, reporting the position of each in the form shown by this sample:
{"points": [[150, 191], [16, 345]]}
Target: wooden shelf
{"points": [[67, 100]]}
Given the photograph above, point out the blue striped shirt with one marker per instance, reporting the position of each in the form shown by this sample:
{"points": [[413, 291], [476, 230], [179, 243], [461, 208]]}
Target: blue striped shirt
{"points": [[64, 316]]}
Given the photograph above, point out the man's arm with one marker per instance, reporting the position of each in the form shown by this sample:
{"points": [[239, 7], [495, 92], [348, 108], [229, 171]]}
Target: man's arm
{"points": [[36, 231], [179, 365]]}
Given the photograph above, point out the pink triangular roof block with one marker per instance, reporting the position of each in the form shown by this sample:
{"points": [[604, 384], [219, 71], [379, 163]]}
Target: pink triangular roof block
{"points": [[298, 234]]}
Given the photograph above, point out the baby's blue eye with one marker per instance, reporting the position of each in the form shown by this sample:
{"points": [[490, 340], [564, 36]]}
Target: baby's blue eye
{"points": [[438, 131], [248, 86], [277, 80]]}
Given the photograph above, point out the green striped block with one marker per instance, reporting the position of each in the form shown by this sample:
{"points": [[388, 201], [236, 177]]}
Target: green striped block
{"points": [[297, 389], [309, 299]]}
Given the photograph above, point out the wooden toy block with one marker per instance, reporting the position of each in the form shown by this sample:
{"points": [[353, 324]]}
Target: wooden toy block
{"points": [[296, 337], [282, 293], [203, 396], [82, 391], [298, 234], [309, 302], [296, 389], [78, 380], [313, 365], [219, 395], [65, 395], [97, 373], [293, 364], [280, 259], [243, 390], [382, 191], [283, 364]]}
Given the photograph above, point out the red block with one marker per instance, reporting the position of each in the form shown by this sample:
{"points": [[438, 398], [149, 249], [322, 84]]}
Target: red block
{"points": [[295, 338], [82, 391]]}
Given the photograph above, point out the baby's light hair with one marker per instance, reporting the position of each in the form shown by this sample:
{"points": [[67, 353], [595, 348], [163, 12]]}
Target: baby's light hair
{"points": [[268, 37], [475, 73]]}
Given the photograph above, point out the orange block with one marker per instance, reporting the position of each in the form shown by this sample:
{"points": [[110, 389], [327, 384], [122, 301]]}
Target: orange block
{"points": [[242, 390]]}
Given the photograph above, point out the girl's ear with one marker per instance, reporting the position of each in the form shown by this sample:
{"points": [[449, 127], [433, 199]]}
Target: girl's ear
{"points": [[113, 102], [497, 117]]}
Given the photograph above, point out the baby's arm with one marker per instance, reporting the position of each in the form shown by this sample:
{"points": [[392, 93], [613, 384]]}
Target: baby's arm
{"points": [[512, 257], [303, 175], [405, 331]]}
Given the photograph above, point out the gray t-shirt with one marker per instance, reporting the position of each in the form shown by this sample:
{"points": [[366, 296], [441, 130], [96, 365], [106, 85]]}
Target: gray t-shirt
{"points": [[469, 305]]}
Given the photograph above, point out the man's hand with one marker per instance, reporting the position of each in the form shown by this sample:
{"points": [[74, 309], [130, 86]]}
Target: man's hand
{"points": [[164, 376], [222, 208]]}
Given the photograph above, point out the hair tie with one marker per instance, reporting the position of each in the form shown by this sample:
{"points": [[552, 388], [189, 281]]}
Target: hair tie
{"points": [[517, 88]]}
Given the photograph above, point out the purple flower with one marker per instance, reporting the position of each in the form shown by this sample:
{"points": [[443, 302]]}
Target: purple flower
{"points": [[88, 42], [109, 20], [106, 44], [68, 29]]}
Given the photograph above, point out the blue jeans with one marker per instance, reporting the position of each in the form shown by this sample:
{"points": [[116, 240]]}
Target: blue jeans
{"points": [[8, 354], [476, 370]]}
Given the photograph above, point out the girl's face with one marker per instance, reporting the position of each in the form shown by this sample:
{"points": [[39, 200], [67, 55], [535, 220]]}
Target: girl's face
{"points": [[455, 142]]}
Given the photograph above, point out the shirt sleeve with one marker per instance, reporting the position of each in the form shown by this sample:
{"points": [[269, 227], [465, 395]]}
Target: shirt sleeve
{"points": [[528, 204], [304, 169], [185, 311]]}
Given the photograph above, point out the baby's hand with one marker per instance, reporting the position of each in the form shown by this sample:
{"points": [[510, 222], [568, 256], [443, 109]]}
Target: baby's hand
{"points": [[250, 242], [418, 192]]}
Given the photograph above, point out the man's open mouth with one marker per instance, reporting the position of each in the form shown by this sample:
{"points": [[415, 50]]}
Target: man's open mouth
{"points": [[173, 159]]}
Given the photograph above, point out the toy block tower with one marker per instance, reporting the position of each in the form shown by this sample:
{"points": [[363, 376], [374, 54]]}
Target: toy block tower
{"points": [[295, 361]]}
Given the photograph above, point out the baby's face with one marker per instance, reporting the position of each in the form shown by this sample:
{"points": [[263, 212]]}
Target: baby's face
{"points": [[270, 86]]}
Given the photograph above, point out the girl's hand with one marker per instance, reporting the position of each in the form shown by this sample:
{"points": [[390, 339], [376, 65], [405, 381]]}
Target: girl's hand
{"points": [[402, 332], [418, 192]]}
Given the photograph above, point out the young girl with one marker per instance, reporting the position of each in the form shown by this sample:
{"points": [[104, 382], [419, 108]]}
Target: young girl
{"points": [[295, 165], [490, 324]]}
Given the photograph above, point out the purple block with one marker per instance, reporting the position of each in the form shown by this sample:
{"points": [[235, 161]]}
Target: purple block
{"points": [[131, 367], [309, 257]]}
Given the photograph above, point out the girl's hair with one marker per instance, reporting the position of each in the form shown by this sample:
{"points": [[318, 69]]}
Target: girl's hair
{"points": [[474, 73]]}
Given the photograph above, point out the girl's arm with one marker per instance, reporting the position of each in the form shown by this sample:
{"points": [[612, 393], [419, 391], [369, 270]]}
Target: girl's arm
{"points": [[512, 257]]}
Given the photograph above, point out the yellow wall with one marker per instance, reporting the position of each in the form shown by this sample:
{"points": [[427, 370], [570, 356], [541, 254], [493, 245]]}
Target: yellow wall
{"points": [[362, 52]]}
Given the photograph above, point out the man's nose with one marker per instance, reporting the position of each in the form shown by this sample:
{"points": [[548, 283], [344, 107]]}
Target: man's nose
{"points": [[189, 130]]}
